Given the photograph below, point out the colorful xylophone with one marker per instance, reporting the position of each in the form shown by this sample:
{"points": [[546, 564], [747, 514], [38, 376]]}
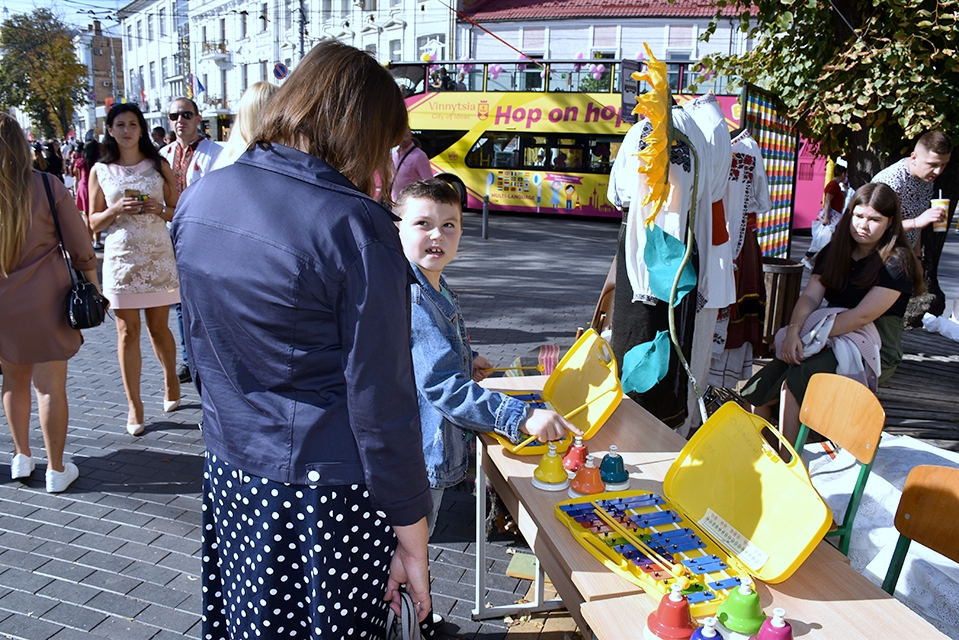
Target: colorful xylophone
{"points": [[643, 538]]}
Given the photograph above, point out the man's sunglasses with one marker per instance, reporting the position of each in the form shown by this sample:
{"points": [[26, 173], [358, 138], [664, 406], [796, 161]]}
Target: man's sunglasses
{"points": [[186, 115]]}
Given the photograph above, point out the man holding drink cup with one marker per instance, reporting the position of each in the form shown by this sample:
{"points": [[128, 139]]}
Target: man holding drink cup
{"points": [[911, 178]]}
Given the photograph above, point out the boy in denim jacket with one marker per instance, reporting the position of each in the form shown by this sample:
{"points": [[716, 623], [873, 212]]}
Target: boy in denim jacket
{"points": [[446, 369]]}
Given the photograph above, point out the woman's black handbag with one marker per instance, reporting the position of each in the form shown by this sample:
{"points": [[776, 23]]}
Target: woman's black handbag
{"points": [[86, 308]]}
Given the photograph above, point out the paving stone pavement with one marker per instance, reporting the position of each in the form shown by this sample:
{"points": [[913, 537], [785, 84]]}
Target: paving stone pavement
{"points": [[117, 555]]}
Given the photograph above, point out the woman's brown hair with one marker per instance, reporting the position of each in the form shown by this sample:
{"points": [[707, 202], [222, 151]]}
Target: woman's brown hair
{"points": [[892, 244], [16, 192], [343, 107]]}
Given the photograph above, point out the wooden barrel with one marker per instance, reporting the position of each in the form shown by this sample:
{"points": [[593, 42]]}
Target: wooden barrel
{"points": [[783, 286]]}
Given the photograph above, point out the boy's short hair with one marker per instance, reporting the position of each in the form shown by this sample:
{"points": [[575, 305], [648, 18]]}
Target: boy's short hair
{"points": [[936, 142], [434, 189]]}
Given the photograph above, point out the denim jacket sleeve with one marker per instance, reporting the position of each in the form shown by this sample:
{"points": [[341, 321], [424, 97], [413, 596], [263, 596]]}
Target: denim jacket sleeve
{"points": [[441, 379], [381, 391]]}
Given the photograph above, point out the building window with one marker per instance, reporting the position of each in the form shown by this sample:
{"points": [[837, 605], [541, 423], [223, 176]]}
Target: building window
{"points": [[223, 88], [222, 30], [243, 23], [129, 36], [370, 49], [244, 77], [434, 44], [263, 16], [161, 18], [345, 7], [163, 69], [263, 71], [673, 75], [369, 5], [206, 83], [396, 3], [139, 32], [150, 28], [153, 75], [326, 8], [396, 50], [288, 14]]}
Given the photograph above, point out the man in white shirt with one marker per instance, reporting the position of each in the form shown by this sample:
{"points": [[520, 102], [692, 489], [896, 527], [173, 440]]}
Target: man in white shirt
{"points": [[191, 156]]}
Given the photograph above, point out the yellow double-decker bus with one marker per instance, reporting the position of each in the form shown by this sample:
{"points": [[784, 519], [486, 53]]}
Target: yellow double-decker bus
{"points": [[533, 136]]}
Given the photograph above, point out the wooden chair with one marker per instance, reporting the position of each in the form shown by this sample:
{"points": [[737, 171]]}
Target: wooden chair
{"points": [[603, 315], [849, 414], [926, 514]]}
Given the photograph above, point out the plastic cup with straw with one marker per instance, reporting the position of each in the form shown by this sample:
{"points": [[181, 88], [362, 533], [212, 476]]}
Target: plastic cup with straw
{"points": [[942, 224]]}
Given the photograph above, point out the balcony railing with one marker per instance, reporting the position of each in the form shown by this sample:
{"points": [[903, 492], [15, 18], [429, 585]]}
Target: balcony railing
{"points": [[213, 47]]}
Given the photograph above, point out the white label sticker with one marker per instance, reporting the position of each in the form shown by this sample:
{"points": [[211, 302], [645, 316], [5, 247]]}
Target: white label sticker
{"points": [[735, 542]]}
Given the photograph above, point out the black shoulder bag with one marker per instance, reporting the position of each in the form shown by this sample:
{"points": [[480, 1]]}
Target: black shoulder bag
{"points": [[86, 308]]}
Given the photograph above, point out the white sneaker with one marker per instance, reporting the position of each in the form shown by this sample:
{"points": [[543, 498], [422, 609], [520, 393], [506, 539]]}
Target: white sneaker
{"points": [[21, 466], [58, 481]]}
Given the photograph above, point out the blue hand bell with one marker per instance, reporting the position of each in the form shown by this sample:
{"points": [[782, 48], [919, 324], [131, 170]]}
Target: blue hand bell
{"points": [[613, 471]]}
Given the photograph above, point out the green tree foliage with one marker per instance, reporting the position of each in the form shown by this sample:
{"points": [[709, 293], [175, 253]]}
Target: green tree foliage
{"points": [[40, 71], [861, 77]]}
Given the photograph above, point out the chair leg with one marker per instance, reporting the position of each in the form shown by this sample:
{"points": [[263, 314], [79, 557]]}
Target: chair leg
{"points": [[895, 565], [844, 540]]}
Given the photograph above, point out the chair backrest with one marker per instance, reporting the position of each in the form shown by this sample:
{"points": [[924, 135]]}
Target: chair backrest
{"points": [[844, 411], [927, 508], [603, 315]]}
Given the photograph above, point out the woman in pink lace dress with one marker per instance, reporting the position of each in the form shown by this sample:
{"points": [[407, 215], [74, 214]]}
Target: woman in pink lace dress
{"points": [[132, 195]]}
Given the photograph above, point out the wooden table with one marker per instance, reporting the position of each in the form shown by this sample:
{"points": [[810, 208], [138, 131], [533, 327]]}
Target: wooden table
{"points": [[825, 598]]}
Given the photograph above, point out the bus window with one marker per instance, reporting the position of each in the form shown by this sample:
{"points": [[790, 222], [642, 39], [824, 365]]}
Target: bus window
{"points": [[499, 150], [442, 80], [534, 157], [602, 153], [474, 79], [515, 77], [577, 153], [410, 77], [435, 143], [481, 155], [567, 158]]}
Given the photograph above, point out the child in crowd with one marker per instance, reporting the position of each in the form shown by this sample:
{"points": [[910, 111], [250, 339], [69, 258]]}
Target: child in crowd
{"points": [[446, 369]]}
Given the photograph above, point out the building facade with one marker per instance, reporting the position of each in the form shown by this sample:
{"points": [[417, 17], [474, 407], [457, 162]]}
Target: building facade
{"points": [[212, 50], [156, 42], [617, 29], [102, 54]]}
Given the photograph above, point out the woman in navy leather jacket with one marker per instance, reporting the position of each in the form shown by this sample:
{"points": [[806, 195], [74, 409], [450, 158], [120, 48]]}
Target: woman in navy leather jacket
{"points": [[296, 304]]}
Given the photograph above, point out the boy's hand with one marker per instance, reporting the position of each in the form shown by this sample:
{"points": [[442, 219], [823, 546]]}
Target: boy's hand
{"points": [[481, 368], [548, 425]]}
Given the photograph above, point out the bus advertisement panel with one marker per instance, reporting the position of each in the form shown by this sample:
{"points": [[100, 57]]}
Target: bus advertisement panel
{"points": [[543, 138], [543, 152], [528, 151]]}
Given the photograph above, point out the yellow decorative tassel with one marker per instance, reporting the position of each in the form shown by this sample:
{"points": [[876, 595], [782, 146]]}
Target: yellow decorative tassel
{"points": [[654, 105]]}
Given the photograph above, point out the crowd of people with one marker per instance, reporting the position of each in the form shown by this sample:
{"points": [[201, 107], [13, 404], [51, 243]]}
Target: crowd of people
{"points": [[305, 262]]}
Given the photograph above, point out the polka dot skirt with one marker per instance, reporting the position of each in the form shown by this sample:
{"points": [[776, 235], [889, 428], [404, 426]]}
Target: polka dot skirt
{"points": [[291, 561]]}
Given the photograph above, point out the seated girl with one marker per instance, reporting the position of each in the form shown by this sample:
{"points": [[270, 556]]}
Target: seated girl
{"points": [[869, 269]]}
